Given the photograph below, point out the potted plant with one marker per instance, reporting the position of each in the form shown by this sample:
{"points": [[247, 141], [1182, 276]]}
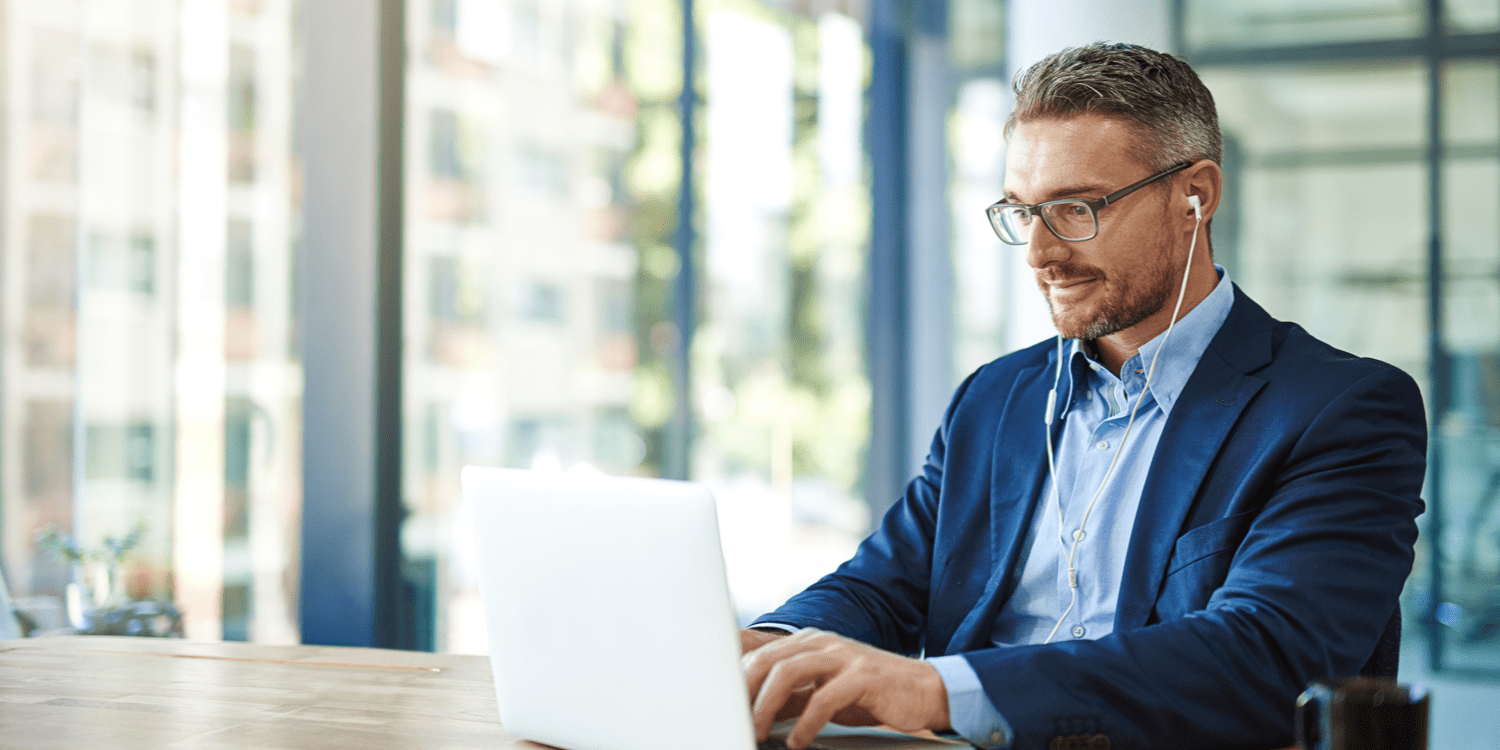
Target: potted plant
{"points": [[98, 581]]}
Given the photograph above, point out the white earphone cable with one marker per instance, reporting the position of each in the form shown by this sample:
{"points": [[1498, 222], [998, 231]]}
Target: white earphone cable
{"points": [[1078, 535]]}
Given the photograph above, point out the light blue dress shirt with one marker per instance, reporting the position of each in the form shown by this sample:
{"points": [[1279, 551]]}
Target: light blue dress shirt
{"points": [[1094, 407]]}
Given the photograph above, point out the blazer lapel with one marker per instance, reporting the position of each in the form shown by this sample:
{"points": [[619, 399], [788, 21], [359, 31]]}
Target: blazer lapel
{"points": [[1201, 420], [1017, 467]]}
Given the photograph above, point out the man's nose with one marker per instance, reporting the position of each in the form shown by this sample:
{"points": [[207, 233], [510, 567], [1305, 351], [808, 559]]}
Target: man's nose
{"points": [[1045, 248]]}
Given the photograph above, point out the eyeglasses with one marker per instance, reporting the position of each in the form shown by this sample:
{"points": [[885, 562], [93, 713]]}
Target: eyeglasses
{"points": [[1071, 219]]}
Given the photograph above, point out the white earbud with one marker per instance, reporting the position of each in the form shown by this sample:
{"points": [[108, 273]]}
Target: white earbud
{"points": [[1197, 206]]}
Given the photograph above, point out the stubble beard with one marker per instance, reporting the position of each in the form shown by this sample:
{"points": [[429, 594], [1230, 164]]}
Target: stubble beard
{"points": [[1129, 303]]}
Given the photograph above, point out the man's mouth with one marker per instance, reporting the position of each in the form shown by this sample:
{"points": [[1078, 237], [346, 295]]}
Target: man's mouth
{"points": [[1065, 288]]}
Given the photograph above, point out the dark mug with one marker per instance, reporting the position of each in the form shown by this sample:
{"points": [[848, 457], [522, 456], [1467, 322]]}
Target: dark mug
{"points": [[1362, 713]]}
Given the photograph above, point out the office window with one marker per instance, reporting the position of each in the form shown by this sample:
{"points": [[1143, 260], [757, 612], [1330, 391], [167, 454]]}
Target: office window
{"points": [[148, 234], [539, 301], [778, 379], [990, 271], [543, 172], [1342, 202], [1277, 23], [240, 99], [567, 114], [121, 452], [141, 265], [1305, 147], [448, 158], [239, 265], [1471, 16], [515, 248], [143, 80], [453, 193], [1469, 432]]}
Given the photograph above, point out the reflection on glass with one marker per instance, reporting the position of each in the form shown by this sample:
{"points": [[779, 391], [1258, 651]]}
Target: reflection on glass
{"points": [[148, 378], [528, 249], [543, 164], [778, 374]]}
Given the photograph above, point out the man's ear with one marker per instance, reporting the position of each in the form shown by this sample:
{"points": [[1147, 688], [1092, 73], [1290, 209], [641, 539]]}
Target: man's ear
{"points": [[1205, 180]]}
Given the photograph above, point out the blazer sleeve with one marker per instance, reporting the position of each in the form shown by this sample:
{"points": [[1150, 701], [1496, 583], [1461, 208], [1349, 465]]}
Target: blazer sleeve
{"points": [[880, 595], [1310, 584]]}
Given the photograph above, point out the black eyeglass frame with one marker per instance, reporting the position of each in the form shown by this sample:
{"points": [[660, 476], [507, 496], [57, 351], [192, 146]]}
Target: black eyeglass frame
{"points": [[1094, 205]]}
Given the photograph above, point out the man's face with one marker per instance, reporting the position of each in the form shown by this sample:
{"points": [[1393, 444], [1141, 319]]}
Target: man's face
{"points": [[1127, 272]]}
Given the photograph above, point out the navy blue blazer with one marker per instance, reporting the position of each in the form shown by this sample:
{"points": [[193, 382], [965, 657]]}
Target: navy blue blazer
{"points": [[1273, 538]]}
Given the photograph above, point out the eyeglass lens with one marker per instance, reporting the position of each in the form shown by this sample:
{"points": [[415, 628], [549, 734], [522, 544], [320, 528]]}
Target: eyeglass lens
{"points": [[1070, 220]]}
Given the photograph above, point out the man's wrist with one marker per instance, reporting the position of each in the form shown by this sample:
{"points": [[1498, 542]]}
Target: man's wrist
{"points": [[937, 691]]}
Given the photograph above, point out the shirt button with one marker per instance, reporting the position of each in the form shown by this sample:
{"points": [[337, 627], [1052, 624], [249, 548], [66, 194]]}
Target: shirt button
{"points": [[1078, 631], [997, 737], [1102, 445]]}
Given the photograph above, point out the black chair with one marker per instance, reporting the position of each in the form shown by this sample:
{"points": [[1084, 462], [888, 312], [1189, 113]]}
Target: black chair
{"points": [[1387, 657]]}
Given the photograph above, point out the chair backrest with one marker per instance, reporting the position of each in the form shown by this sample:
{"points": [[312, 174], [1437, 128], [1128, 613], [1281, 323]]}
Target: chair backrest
{"points": [[10, 627], [1387, 657]]}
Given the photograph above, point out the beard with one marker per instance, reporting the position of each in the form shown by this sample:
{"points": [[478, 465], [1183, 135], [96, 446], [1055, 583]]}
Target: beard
{"points": [[1128, 300]]}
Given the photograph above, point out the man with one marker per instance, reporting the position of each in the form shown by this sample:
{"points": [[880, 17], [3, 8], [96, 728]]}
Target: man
{"points": [[1233, 505]]}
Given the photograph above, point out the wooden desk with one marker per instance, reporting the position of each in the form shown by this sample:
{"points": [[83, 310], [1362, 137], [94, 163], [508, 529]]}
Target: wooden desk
{"points": [[85, 692]]}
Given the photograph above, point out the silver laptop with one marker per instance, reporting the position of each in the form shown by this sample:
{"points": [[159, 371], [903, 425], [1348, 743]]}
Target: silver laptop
{"points": [[609, 618]]}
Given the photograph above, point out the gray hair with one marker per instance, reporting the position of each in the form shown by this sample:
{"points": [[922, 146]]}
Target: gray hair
{"points": [[1157, 93]]}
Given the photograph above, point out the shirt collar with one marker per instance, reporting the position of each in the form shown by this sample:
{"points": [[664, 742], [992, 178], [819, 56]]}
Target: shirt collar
{"points": [[1190, 338]]}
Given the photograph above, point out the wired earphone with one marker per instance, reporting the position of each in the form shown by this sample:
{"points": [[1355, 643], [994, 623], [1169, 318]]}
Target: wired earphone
{"points": [[1078, 534]]}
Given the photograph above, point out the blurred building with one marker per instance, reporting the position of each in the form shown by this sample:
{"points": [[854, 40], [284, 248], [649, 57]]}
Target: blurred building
{"points": [[149, 369], [543, 176]]}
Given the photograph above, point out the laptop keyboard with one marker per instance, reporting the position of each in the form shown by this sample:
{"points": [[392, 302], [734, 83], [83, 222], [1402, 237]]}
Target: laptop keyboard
{"points": [[779, 743]]}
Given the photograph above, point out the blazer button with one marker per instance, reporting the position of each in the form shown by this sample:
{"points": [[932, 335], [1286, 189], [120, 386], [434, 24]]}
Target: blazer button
{"points": [[1098, 742]]}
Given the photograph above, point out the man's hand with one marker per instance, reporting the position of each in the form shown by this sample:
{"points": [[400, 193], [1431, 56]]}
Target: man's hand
{"points": [[754, 639], [823, 676]]}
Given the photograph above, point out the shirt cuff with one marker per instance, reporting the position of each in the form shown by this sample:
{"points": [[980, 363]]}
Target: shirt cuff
{"points": [[970, 711], [778, 625]]}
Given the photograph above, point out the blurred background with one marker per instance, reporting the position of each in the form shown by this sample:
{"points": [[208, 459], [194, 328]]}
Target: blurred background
{"points": [[274, 270]]}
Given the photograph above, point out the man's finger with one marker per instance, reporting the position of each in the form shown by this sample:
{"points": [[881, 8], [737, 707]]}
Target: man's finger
{"points": [[795, 703], [830, 698], [758, 663], [782, 679]]}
